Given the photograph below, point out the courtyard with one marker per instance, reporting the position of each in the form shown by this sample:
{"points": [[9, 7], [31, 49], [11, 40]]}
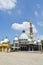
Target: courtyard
{"points": [[21, 58]]}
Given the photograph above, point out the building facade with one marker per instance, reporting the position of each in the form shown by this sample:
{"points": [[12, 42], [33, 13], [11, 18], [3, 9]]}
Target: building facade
{"points": [[22, 43], [25, 43], [5, 46]]}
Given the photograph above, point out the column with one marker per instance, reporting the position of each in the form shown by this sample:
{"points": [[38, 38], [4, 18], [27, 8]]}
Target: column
{"points": [[32, 48], [9, 49], [2, 49], [41, 47], [29, 48], [6, 49]]}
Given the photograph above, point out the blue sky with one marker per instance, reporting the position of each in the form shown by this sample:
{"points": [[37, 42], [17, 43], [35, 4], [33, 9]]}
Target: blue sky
{"points": [[15, 16]]}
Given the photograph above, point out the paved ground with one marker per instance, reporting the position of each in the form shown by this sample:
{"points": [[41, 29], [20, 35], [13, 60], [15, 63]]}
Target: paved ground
{"points": [[21, 58]]}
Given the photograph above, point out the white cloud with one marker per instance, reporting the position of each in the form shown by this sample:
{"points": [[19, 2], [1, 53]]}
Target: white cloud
{"points": [[25, 25], [7, 4], [36, 13], [40, 23]]}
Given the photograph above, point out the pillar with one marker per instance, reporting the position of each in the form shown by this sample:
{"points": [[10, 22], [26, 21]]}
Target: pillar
{"points": [[41, 47], [29, 48], [9, 49], [6, 49], [2, 49], [32, 48]]}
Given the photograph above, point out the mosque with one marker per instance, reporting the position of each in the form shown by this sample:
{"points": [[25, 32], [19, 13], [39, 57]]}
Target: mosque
{"points": [[25, 43]]}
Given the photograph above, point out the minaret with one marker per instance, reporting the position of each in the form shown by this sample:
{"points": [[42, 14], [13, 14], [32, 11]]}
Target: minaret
{"points": [[31, 30]]}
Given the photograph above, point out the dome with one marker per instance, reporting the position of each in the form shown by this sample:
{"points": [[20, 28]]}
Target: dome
{"points": [[2, 42], [23, 35], [6, 40], [38, 41], [16, 38], [35, 42]]}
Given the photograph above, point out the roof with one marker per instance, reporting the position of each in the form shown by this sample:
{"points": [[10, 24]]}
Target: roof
{"points": [[23, 36], [6, 40], [2, 42], [35, 42], [16, 38], [38, 41]]}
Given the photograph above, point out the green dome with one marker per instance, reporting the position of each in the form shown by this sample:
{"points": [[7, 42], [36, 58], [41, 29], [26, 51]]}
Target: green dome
{"points": [[23, 31], [23, 35]]}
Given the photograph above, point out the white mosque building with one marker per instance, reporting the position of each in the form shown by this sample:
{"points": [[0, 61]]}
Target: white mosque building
{"points": [[24, 43]]}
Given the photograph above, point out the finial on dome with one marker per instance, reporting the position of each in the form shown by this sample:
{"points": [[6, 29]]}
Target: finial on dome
{"points": [[30, 20], [23, 31]]}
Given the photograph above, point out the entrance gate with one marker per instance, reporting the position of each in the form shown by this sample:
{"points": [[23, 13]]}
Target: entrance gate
{"points": [[24, 48]]}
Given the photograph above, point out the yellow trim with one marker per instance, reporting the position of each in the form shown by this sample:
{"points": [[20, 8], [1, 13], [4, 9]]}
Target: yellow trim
{"points": [[0, 44]]}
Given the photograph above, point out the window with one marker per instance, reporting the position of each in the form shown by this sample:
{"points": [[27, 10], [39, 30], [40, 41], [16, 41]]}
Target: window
{"points": [[16, 45]]}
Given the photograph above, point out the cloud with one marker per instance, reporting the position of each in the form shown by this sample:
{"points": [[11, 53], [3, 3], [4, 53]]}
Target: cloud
{"points": [[25, 25], [36, 13], [7, 4], [40, 23]]}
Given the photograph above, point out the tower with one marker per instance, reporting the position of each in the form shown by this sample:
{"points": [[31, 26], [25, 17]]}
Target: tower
{"points": [[31, 30]]}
